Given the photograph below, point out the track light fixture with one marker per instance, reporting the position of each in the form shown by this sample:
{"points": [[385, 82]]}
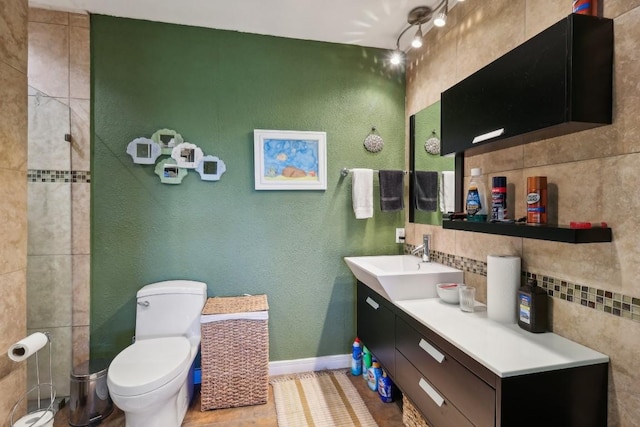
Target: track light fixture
{"points": [[419, 16], [441, 18]]}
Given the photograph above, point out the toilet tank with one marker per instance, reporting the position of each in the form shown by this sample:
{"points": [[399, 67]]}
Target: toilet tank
{"points": [[170, 308]]}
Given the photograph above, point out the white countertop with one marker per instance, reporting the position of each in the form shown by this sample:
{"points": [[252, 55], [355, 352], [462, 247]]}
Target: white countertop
{"points": [[505, 349]]}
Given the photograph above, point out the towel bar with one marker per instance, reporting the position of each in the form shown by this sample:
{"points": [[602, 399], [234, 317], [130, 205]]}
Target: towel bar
{"points": [[346, 171]]}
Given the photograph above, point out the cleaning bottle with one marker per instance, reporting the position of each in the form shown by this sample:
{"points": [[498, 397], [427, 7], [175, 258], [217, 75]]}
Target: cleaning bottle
{"points": [[476, 197], [385, 388], [366, 362], [356, 358], [532, 307], [373, 375]]}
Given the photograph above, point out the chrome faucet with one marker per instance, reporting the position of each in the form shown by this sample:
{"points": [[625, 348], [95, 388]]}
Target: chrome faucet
{"points": [[424, 247]]}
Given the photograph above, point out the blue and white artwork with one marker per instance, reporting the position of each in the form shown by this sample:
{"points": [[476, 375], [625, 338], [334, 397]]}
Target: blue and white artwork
{"points": [[291, 159], [287, 160]]}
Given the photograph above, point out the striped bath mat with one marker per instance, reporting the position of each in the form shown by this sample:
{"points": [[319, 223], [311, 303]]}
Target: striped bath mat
{"points": [[319, 399]]}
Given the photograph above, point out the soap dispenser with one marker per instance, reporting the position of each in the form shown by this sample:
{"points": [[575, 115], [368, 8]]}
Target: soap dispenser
{"points": [[532, 307]]}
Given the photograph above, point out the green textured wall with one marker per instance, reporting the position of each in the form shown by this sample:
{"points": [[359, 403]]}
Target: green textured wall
{"points": [[215, 87]]}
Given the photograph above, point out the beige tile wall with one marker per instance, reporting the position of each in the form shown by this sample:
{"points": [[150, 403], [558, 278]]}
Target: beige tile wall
{"points": [[13, 193], [595, 173], [58, 248]]}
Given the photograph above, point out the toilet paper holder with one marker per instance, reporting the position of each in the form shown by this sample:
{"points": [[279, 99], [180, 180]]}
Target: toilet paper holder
{"points": [[42, 415]]}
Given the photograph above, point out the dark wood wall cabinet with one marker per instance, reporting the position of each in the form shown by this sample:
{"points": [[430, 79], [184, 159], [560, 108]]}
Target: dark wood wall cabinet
{"points": [[557, 82], [453, 389]]}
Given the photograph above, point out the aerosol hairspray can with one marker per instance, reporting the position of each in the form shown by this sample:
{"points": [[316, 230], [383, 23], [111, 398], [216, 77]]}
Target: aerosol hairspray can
{"points": [[537, 200]]}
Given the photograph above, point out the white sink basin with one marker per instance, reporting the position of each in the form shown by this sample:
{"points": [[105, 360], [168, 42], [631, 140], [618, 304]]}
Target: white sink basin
{"points": [[402, 277]]}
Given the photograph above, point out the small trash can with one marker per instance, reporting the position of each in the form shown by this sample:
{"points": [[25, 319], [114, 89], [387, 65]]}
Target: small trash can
{"points": [[89, 402]]}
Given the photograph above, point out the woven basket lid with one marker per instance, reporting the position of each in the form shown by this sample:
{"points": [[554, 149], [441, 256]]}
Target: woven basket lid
{"points": [[241, 304]]}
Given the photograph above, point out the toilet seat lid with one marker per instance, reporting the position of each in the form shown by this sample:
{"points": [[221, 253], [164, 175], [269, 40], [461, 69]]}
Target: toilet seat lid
{"points": [[148, 364]]}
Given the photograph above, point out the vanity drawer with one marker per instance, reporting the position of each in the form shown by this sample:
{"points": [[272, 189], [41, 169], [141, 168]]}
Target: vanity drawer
{"points": [[471, 395], [438, 410]]}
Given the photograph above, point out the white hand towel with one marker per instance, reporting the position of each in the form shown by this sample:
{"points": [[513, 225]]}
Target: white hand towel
{"points": [[362, 192], [448, 192]]}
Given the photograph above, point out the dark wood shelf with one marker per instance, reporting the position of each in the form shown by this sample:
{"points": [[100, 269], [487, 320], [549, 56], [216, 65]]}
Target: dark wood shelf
{"points": [[556, 233]]}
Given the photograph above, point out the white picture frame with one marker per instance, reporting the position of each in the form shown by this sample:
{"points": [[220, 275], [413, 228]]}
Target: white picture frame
{"points": [[290, 160]]}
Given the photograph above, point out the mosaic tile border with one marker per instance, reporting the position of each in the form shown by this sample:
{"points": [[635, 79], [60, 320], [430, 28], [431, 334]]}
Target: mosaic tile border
{"points": [[617, 304], [46, 175]]}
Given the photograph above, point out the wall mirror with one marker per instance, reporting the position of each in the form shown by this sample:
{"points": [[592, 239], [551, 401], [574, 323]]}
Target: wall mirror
{"points": [[423, 127]]}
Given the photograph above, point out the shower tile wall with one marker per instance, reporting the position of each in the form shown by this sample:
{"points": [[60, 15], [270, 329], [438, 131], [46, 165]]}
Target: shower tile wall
{"points": [[13, 193], [58, 187]]}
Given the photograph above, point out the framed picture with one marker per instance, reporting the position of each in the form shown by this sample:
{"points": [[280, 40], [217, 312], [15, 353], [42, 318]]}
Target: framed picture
{"points": [[290, 160]]}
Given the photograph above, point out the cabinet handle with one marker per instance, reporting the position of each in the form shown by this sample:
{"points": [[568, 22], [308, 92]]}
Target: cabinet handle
{"points": [[487, 135], [431, 392], [372, 303], [431, 350]]}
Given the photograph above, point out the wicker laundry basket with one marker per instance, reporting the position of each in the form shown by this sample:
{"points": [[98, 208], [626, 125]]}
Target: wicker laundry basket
{"points": [[235, 352], [410, 415]]}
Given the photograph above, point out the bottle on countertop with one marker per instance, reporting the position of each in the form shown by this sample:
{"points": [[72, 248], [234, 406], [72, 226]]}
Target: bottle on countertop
{"points": [[366, 362], [373, 375], [532, 307], [356, 358], [476, 197]]}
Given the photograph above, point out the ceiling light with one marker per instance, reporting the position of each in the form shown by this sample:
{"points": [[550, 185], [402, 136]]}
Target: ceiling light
{"points": [[396, 57], [441, 18], [417, 39], [419, 16]]}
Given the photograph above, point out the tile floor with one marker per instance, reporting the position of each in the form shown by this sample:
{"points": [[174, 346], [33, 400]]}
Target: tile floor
{"points": [[385, 414]]}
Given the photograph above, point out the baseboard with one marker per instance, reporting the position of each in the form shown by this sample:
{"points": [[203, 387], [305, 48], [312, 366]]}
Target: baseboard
{"points": [[286, 367]]}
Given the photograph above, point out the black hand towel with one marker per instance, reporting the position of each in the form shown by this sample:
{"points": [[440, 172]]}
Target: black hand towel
{"points": [[391, 190], [426, 190]]}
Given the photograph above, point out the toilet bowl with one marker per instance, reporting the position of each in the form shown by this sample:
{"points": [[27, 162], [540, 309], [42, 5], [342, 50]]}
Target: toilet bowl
{"points": [[151, 381]]}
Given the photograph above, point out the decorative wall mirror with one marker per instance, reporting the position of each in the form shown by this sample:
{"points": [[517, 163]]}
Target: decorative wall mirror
{"points": [[144, 151], [169, 172], [187, 155], [211, 168], [167, 138], [424, 126]]}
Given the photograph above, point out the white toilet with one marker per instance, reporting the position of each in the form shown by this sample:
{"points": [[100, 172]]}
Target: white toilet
{"points": [[152, 379]]}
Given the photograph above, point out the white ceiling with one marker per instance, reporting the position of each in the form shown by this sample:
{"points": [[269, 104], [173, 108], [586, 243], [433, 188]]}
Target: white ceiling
{"points": [[373, 23]]}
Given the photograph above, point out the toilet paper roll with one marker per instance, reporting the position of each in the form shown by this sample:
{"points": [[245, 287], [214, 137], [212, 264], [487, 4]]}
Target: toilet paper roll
{"points": [[503, 281], [27, 346]]}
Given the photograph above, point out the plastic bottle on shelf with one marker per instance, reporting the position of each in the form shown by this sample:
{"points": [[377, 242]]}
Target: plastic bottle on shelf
{"points": [[373, 375], [366, 362], [476, 197], [356, 358]]}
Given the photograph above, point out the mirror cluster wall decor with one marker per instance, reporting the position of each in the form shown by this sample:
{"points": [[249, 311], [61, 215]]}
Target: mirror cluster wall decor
{"points": [[184, 156], [424, 156]]}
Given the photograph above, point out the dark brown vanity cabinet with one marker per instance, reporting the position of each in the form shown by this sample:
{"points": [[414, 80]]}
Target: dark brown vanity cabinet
{"points": [[375, 326], [452, 389], [558, 82]]}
